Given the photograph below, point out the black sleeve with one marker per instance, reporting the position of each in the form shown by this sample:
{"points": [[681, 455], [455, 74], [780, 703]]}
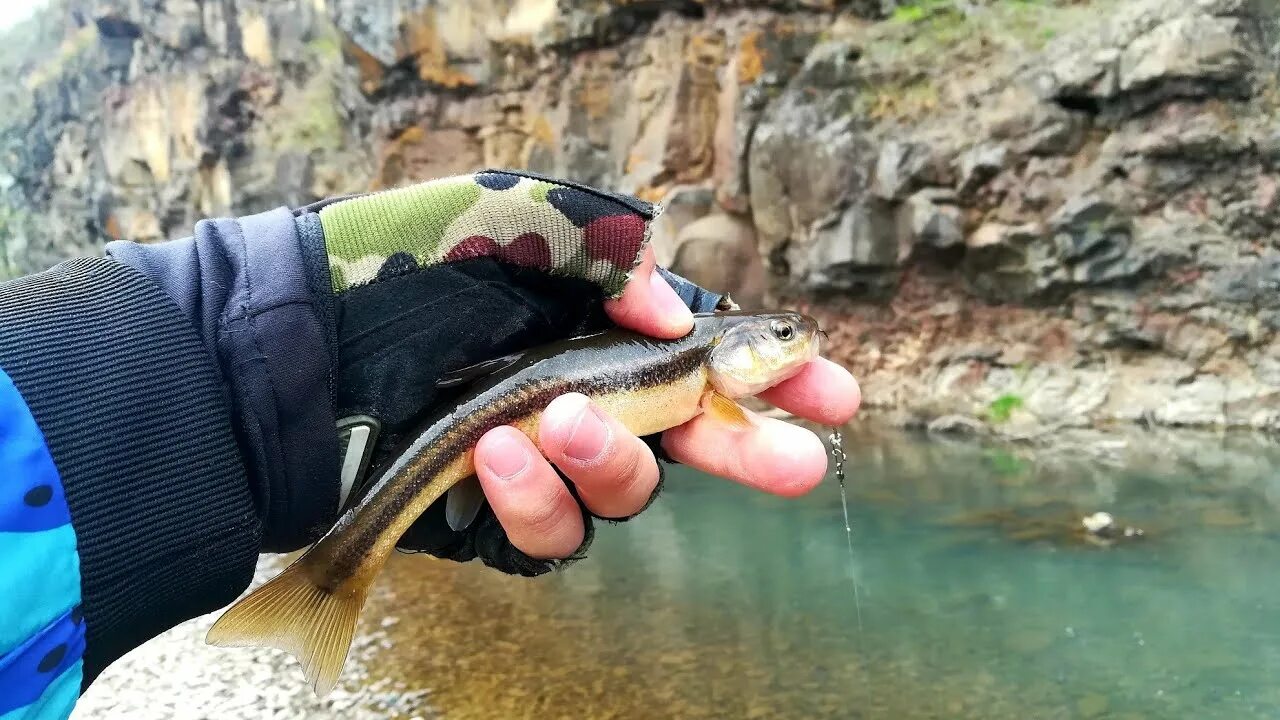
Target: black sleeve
{"points": [[136, 418]]}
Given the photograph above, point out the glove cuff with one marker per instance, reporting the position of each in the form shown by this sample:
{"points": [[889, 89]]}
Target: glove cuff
{"points": [[261, 312], [525, 220]]}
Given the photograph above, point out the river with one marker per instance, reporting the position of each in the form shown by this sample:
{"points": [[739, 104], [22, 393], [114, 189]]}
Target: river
{"points": [[979, 594], [979, 598]]}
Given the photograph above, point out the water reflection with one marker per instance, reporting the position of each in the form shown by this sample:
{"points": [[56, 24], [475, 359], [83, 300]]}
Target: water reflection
{"points": [[723, 603]]}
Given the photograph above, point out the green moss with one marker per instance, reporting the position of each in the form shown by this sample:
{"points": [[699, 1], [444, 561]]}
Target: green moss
{"points": [[326, 45], [306, 119], [1002, 407], [914, 11], [923, 28], [70, 49], [1005, 463], [922, 39], [900, 100]]}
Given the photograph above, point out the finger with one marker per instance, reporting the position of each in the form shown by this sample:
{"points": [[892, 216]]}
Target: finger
{"points": [[822, 392], [528, 497], [772, 455], [649, 305], [614, 471]]}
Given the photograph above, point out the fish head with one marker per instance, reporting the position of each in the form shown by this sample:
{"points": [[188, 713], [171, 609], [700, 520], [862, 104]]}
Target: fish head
{"points": [[755, 351]]}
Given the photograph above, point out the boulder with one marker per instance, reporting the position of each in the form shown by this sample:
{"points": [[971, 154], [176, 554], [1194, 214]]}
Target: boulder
{"points": [[812, 125], [719, 252], [1189, 55], [1092, 238], [681, 207], [1033, 125], [1004, 262]]}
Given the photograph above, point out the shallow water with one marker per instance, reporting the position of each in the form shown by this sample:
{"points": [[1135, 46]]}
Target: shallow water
{"points": [[979, 597]]}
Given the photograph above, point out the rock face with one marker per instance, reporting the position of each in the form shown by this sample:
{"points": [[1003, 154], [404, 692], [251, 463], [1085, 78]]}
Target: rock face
{"points": [[1086, 189]]}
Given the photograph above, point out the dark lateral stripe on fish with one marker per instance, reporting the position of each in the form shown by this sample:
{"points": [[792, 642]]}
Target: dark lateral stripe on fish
{"points": [[311, 608], [517, 403]]}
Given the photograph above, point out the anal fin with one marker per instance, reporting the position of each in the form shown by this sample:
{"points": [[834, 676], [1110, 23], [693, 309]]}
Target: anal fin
{"points": [[293, 614]]}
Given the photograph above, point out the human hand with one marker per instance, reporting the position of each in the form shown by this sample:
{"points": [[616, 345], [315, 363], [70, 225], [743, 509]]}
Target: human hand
{"points": [[431, 279], [615, 472]]}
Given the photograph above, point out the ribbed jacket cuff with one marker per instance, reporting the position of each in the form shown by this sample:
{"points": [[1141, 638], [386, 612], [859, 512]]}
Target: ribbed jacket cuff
{"points": [[130, 406]]}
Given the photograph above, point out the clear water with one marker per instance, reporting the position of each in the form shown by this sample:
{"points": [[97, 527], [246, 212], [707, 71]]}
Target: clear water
{"points": [[979, 597]]}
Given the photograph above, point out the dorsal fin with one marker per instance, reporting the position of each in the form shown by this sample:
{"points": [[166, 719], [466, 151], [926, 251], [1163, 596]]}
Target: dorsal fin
{"points": [[467, 374]]}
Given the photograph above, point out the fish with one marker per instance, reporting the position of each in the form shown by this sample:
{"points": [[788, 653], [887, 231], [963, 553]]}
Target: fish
{"points": [[311, 609]]}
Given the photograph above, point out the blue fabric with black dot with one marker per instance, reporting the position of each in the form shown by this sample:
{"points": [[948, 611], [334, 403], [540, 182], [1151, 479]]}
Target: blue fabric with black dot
{"points": [[41, 625]]}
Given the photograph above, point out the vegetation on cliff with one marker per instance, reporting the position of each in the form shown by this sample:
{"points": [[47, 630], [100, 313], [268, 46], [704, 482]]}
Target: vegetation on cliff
{"points": [[1067, 202]]}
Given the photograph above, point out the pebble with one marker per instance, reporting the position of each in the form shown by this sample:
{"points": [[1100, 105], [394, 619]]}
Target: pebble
{"points": [[176, 676]]}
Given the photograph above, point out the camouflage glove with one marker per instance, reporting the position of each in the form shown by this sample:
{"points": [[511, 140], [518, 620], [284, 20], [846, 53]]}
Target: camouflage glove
{"points": [[434, 277]]}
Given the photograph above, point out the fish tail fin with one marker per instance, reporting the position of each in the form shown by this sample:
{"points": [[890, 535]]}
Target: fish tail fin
{"points": [[291, 613]]}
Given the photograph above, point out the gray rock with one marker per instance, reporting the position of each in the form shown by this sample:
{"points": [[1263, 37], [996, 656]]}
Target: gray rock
{"points": [[294, 175], [682, 206], [1153, 51], [904, 167], [857, 251], [1090, 227], [719, 252], [1254, 282], [1033, 125], [1009, 263], [979, 164], [1199, 402], [1193, 55], [811, 125], [931, 219], [957, 425]]}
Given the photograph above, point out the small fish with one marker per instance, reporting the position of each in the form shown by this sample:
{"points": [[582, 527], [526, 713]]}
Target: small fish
{"points": [[311, 609]]}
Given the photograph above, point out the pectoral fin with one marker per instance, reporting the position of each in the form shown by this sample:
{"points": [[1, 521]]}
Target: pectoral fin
{"points": [[463, 503], [725, 409]]}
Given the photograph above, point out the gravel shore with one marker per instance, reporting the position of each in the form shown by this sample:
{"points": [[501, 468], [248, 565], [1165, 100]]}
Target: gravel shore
{"points": [[177, 676]]}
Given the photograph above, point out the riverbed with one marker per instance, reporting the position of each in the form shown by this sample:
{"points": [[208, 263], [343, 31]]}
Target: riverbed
{"points": [[973, 591]]}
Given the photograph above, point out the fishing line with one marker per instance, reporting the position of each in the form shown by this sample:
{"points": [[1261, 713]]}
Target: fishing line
{"points": [[837, 452]]}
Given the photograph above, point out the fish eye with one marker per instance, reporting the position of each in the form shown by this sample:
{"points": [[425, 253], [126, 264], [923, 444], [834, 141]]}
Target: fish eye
{"points": [[782, 330]]}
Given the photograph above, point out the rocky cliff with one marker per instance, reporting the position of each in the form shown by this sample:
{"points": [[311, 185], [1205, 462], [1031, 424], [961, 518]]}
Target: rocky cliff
{"points": [[1012, 214]]}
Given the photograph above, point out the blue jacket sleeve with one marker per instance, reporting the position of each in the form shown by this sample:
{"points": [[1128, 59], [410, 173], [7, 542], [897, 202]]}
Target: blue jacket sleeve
{"points": [[42, 632]]}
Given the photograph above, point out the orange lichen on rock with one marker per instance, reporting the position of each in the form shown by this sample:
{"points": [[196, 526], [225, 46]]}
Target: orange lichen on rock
{"points": [[420, 39], [112, 227], [652, 193], [750, 58], [370, 69]]}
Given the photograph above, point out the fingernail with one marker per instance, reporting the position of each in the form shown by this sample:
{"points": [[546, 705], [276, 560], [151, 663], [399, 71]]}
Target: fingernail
{"points": [[589, 436], [506, 457], [667, 301]]}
